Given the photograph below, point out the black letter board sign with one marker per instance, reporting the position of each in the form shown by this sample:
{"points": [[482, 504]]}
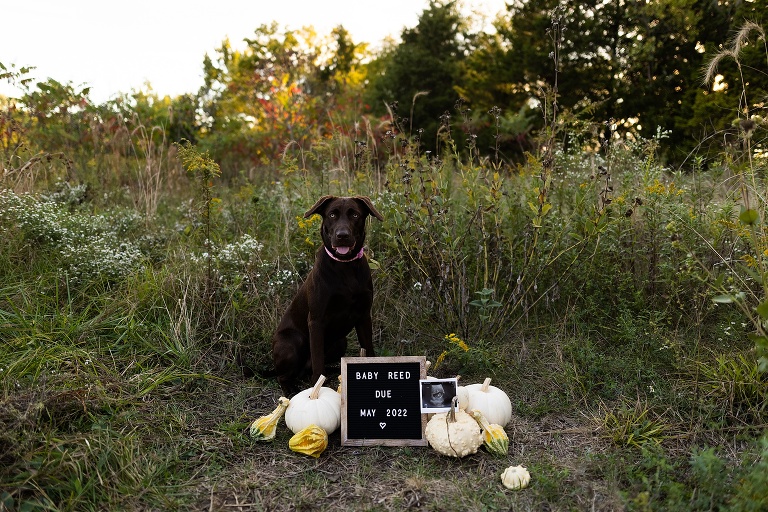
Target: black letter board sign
{"points": [[380, 402]]}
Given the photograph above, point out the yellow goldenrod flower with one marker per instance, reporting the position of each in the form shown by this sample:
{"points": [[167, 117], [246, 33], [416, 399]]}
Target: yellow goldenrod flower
{"points": [[440, 359], [452, 338]]}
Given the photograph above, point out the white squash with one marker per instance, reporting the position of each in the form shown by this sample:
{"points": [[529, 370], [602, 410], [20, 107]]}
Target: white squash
{"points": [[315, 406], [454, 433], [491, 401], [515, 477]]}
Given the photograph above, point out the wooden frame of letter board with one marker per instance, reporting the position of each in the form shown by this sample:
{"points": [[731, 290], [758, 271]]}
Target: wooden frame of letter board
{"points": [[345, 440]]}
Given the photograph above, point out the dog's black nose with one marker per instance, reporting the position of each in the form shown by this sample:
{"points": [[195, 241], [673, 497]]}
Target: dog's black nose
{"points": [[342, 235]]}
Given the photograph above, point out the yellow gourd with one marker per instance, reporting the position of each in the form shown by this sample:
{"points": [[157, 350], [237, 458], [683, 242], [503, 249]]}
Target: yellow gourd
{"points": [[312, 441], [495, 438], [264, 428]]}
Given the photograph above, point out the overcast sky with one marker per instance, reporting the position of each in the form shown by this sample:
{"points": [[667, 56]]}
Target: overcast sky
{"points": [[115, 47]]}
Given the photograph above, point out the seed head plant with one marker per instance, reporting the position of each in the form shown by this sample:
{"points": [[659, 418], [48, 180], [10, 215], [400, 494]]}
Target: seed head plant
{"points": [[749, 288]]}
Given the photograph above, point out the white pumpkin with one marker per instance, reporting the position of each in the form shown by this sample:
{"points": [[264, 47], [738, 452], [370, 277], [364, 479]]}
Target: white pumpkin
{"points": [[315, 406], [454, 433], [491, 401], [515, 477]]}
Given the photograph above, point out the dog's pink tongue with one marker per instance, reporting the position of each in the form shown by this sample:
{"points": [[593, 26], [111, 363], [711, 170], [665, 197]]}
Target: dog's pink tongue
{"points": [[342, 250]]}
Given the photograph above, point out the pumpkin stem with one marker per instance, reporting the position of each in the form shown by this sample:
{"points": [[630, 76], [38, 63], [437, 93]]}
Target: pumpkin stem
{"points": [[316, 390], [486, 383], [454, 406], [451, 418]]}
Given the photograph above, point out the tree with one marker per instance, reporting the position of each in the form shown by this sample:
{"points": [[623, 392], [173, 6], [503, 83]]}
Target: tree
{"points": [[546, 50], [663, 59], [275, 93], [253, 99], [636, 64], [420, 74], [62, 115], [341, 79]]}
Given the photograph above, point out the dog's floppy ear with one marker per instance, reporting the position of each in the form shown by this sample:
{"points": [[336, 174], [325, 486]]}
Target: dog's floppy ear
{"points": [[369, 205], [319, 206]]}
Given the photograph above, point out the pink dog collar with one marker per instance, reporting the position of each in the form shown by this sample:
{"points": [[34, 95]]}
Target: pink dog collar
{"points": [[359, 255]]}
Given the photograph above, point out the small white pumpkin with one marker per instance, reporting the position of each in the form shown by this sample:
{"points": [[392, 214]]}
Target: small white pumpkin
{"points": [[515, 477], [454, 433], [315, 406], [491, 401]]}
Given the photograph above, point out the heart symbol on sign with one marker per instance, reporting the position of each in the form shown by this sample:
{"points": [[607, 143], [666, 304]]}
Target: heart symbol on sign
{"points": [[382, 425]]}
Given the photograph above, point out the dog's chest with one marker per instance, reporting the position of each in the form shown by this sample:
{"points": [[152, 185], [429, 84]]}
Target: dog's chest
{"points": [[347, 296], [350, 298]]}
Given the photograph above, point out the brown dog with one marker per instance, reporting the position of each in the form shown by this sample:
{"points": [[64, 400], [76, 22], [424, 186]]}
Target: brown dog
{"points": [[335, 298]]}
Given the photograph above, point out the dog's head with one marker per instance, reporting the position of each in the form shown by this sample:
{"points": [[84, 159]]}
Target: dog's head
{"points": [[343, 228]]}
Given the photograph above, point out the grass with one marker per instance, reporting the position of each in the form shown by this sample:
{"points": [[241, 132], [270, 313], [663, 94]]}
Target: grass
{"points": [[122, 334], [125, 394]]}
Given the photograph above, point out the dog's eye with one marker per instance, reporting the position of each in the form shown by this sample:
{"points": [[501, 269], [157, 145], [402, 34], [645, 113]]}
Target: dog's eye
{"points": [[355, 215], [332, 215]]}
